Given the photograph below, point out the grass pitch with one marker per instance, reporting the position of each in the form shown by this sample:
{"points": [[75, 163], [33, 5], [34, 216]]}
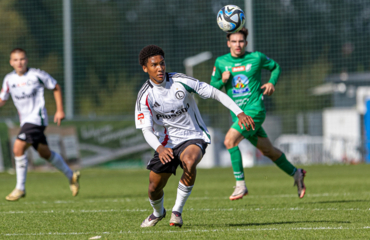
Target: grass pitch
{"points": [[113, 203]]}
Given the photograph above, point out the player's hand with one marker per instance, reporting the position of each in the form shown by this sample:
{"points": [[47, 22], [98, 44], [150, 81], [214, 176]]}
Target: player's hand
{"points": [[225, 76], [245, 121], [165, 154], [269, 89], [58, 117]]}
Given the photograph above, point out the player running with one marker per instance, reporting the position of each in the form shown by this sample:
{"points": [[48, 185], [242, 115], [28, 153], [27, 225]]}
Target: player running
{"points": [[166, 109], [240, 73], [26, 86]]}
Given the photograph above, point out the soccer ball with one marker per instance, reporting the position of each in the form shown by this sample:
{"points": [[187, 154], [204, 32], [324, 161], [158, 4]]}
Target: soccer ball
{"points": [[230, 19]]}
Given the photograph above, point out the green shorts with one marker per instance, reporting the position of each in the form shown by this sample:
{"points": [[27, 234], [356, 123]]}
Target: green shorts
{"points": [[252, 135]]}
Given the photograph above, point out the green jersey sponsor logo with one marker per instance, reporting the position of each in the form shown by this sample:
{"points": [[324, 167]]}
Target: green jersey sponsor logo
{"points": [[240, 85]]}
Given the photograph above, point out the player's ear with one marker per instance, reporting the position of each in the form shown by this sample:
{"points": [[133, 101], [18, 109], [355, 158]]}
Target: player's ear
{"points": [[145, 69], [228, 43]]}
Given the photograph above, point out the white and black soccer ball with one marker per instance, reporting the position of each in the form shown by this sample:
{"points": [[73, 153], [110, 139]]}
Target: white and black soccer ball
{"points": [[230, 19]]}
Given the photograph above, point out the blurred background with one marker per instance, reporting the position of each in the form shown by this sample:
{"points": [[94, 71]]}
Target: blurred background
{"points": [[317, 114]]}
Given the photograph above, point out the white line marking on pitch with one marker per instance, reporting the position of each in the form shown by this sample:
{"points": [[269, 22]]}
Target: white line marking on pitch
{"points": [[191, 209], [120, 200], [186, 231]]}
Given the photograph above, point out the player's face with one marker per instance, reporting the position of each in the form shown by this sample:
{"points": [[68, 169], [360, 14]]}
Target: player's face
{"points": [[237, 44], [18, 61], [156, 68]]}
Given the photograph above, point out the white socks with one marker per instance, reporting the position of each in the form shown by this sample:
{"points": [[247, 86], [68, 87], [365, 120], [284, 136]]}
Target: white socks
{"points": [[21, 164], [57, 161], [157, 206], [183, 192], [240, 183]]}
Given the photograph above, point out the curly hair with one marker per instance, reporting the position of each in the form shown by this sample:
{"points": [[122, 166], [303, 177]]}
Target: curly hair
{"points": [[243, 31], [149, 51]]}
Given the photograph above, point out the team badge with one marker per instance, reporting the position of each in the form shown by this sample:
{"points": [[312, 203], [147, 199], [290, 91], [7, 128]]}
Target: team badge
{"points": [[248, 67], [140, 118], [180, 95], [240, 85]]}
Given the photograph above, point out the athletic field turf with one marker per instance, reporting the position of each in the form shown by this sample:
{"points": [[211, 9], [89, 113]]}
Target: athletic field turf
{"points": [[113, 203]]}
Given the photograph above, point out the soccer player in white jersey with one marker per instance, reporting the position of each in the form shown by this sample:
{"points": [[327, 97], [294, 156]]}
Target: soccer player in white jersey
{"points": [[26, 86], [172, 125]]}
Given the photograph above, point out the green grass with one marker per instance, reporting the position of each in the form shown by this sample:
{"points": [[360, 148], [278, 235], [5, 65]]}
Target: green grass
{"points": [[113, 203]]}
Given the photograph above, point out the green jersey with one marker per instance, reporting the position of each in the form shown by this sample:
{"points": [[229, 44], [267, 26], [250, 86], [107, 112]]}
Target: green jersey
{"points": [[244, 85]]}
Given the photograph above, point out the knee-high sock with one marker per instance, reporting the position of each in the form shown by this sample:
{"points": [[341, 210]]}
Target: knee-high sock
{"points": [[237, 163], [157, 206], [285, 165], [21, 164], [57, 161], [183, 192]]}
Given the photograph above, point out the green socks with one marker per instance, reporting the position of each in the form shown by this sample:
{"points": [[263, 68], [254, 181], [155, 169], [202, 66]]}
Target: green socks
{"points": [[285, 165], [237, 163]]}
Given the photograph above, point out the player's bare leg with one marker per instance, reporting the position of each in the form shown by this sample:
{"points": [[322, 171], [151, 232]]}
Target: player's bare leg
{"points": [[232, 140], [157, 181], [190, 158], [58, 162], [21, 164], [265, 146]]}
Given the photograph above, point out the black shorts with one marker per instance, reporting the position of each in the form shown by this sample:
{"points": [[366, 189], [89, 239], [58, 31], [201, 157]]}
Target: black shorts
{"points": [[157, 166], [32, 134]]}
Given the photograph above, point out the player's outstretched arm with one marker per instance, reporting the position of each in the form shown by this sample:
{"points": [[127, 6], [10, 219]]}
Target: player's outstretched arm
{"points": [[244, 120], [2, 103], [59, 115]]}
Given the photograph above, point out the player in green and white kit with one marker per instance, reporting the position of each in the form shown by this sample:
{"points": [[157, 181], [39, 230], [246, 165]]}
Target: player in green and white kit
{"points": [[240, 73]]}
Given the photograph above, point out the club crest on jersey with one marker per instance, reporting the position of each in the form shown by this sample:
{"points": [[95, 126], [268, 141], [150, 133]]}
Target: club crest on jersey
{"points": [[180, 94], [140, 118], [240, 84]]}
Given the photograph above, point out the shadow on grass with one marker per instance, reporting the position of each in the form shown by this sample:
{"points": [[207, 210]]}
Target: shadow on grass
{"points": [[270, 223], [281, 223], [335, 201]]}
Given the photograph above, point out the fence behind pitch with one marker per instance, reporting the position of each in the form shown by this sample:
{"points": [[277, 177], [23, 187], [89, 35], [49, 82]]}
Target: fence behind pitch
{"points": [[321, 47]]}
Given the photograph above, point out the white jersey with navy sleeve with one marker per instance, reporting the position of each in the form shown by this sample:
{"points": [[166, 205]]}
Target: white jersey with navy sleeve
{"points": [[27, 92], [170, 109]]}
